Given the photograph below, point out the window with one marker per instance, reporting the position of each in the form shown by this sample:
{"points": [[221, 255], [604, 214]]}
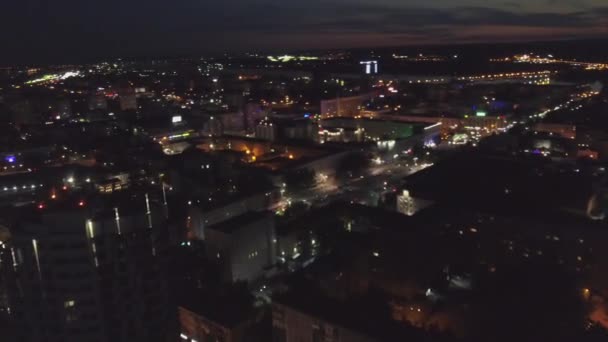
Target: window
{"points": [[70, 310]]}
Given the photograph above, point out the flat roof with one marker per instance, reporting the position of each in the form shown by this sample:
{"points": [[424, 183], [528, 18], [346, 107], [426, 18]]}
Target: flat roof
{"points": [[232, 225]]}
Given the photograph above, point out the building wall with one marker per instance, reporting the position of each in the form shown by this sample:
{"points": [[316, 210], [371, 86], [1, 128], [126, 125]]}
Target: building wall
{"points": [[194, 327], [565, 131], [200, 219], [77, 279], [343, 106], [373, 128], [246, 251], [253, 249], [266, 131], [290, 325]]}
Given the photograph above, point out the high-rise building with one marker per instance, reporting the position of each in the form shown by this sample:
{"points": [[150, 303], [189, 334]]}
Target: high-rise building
{"points": [[371, 67], [88, 272]]}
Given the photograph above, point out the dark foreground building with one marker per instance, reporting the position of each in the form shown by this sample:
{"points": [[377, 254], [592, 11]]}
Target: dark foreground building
{"points": [[88, 271]]}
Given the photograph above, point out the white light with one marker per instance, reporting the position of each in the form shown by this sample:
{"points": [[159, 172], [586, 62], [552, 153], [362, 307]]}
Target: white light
{"points": [[184, 337], [71, 180]]}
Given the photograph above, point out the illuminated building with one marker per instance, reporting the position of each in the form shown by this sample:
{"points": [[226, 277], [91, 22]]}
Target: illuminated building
{"points": [[563, 130], [371, 67], [84, 270], [484, 124], [408, 205], [386, 133], [344, 106], [405, 204], [372, 129]]}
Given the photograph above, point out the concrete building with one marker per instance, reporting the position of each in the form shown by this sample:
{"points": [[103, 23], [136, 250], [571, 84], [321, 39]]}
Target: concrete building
{"points": [[244, 245], [290, 324], [203, 217], [197, 327], [344, 106], [88, 272], [372, 129]]}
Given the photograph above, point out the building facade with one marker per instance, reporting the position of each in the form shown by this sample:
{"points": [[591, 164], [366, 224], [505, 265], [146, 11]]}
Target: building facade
{"points": [[83, 275]]}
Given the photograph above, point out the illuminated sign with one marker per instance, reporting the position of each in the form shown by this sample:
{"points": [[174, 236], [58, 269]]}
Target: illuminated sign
{"points": [[176, 119], [481, 114]]}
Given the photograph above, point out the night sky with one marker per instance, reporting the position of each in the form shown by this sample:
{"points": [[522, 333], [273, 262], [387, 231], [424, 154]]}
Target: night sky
{"points": [[72, 30]]}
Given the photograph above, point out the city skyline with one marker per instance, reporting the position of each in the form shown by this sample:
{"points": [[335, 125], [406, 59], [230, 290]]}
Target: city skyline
{"points": [[304, 171]]}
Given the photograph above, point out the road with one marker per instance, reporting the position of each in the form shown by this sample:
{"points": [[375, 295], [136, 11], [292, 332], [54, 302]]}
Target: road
{"points": [[366, 189]]}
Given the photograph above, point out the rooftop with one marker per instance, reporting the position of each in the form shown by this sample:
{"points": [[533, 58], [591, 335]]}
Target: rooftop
{"points": [[232, 225]]}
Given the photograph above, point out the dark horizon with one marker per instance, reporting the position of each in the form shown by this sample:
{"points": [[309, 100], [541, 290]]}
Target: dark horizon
{"points": [[589, 48], [39, 32]]}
